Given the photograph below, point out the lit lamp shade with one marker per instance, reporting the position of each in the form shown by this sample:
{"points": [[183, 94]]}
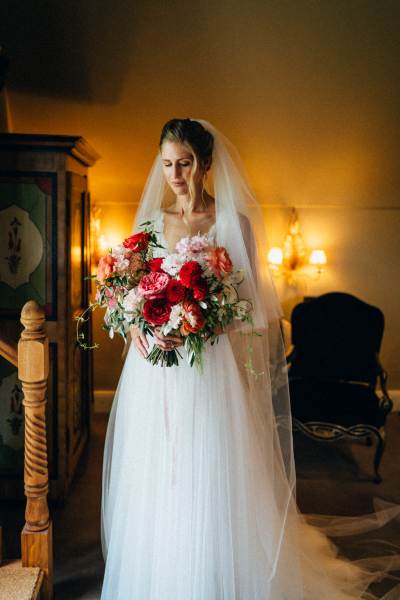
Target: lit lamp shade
{"points": [[275, 256], [318, 258]]}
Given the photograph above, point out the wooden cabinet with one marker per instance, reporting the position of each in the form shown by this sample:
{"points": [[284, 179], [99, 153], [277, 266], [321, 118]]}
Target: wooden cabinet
{"points": [[44, 256]]}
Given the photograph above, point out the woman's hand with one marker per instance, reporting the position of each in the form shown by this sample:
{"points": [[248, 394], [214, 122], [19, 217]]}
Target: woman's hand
{"points": [[140, 340], [167, 342]]}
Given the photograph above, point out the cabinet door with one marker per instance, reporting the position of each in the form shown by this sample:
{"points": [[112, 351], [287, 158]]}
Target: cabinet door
{"points": [[28, 271], [79, 375]]}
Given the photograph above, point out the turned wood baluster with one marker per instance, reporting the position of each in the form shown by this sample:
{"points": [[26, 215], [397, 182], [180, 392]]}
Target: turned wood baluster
{"points": [[33, 370]]}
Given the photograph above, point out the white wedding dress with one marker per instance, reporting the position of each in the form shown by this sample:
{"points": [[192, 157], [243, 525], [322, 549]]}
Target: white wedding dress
{"points": [[187, 513]]}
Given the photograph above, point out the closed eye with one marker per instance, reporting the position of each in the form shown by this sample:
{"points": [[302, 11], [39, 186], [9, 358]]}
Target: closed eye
{"points": [[185, 164]]}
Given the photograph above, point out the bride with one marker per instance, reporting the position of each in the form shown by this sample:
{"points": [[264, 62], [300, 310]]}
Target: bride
{"points": [[198, 497]]}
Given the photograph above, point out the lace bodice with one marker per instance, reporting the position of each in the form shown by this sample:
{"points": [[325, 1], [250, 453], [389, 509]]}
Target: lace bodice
{"points": [[159, 227]]}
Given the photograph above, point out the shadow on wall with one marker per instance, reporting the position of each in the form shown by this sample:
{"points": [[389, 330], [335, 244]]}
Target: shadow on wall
{"points": [[65, 49]]}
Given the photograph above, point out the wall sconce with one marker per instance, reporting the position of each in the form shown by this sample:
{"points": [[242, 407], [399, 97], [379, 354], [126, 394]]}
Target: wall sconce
{"points": [[287, 261], [100, 242]]}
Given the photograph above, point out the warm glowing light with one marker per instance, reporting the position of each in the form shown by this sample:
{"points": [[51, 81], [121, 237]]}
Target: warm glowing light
{"points": [[102, 243], [318, 258], [76, 254], [289, 260], [107, 241], [275, 256]]}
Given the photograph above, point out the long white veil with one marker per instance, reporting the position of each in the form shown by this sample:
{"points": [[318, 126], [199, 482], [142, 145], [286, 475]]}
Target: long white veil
{"points": [[240, 228]]}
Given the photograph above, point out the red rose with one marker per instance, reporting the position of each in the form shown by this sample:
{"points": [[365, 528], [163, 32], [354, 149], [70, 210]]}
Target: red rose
{"points": [[137, 242], [200, 287], [157, 311], [154, 264], [153, 285], [193, 319], [188, 272], [175, 291]]}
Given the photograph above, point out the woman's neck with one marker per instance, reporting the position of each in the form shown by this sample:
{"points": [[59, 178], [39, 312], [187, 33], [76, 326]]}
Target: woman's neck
{"points": [[201, 204]]}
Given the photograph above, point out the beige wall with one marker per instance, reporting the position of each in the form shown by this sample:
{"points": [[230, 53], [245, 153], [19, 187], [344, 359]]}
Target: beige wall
{"points": [[308, 91]]}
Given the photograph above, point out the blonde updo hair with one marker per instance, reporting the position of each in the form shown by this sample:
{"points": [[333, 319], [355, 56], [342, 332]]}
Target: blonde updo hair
{"points": [[198, 140]]}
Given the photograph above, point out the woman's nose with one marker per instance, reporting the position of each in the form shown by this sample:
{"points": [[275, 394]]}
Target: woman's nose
{"points": [[176, 170]]}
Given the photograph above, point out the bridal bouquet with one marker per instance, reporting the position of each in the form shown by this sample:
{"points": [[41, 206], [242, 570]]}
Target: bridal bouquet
{"points": [[192, 292]]}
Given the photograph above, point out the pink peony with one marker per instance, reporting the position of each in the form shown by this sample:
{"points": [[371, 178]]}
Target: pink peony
{"points": [[193, 245], [153, 285]]}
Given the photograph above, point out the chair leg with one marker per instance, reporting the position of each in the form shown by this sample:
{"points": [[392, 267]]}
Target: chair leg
{"points": [[380, 446]]}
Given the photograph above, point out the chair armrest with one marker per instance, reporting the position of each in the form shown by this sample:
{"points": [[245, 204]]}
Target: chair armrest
{"points": [[289, 354], [386, 402]]}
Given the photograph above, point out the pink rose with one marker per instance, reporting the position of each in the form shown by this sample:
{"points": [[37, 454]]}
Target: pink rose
{"points": [[153, 285]]}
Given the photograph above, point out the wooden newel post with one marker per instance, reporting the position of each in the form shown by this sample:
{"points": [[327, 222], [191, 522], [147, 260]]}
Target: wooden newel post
{"points": [[33, 371]]}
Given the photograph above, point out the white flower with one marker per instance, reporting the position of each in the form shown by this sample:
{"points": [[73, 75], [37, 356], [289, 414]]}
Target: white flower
{"points": [[234, 278], [172, 263], [175, 319], [119, 251], [221, 313], [121, 263], [202, 260], [133, 301], [242, 308], [191, 318], [230, 293], [121, 256]]}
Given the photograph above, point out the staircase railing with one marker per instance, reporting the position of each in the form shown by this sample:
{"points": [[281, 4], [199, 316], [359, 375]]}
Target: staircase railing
{"points": [[31, 356], [9, 351]]}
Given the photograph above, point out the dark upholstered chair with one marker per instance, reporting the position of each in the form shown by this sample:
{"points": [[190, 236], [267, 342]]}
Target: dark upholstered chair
{"points": [[333, 371]]}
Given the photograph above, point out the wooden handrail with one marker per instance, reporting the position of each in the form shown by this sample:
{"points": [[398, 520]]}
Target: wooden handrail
{"points": [[9, 350]]}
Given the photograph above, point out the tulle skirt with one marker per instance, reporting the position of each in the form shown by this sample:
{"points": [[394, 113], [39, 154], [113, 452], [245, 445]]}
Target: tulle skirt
{"points": [[186, 511]]}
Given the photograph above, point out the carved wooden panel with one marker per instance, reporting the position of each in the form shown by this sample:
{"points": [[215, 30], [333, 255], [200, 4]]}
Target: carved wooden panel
{"points": [[28, 231]]}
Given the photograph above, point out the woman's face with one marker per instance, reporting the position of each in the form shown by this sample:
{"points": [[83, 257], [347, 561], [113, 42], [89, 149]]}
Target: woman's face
{"points": [[177, 163]]}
